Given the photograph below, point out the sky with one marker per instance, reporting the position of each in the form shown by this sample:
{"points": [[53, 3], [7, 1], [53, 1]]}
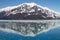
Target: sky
{"points": [[52, 4]]}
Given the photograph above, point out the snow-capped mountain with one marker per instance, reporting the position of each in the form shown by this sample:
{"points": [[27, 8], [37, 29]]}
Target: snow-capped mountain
{"points": [[28, 11]]}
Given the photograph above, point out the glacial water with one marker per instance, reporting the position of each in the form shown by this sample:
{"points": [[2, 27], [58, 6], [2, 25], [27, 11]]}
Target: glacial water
{"points": [[30, 30]]}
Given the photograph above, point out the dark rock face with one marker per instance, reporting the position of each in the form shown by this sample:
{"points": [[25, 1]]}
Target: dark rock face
{"points": [[2, 14], [24, 16]]}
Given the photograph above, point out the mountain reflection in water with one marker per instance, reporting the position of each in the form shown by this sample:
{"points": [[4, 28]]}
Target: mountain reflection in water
{"points": [[28, 28]]}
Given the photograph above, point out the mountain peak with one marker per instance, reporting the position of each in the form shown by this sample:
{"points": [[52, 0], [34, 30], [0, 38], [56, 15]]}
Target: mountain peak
{"points": [[32, 3], [26, 10], [12, 7]]}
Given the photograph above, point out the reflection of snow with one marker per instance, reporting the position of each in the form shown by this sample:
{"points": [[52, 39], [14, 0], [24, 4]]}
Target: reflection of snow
{"points": [[28, 28]]}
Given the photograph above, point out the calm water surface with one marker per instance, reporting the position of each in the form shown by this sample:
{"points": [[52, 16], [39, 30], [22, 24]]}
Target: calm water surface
{"points": [[30, 30]]}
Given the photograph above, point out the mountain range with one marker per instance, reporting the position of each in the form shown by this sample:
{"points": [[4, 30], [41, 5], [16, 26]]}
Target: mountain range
{"points": [[28, 11]]}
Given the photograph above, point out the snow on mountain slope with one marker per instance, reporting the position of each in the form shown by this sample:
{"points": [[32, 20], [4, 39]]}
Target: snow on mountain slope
{"points": [[12, 7], [31, 9], [24, 4]]}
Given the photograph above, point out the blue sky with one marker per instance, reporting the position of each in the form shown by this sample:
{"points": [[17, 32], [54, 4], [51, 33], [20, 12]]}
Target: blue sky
{"points": [[52, 4]]}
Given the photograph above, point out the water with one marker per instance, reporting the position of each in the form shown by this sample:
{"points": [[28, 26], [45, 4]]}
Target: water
{"points": [[30, 30]]}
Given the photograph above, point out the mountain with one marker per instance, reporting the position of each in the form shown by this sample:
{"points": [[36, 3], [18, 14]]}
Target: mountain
{"points": [[29, 11]]}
